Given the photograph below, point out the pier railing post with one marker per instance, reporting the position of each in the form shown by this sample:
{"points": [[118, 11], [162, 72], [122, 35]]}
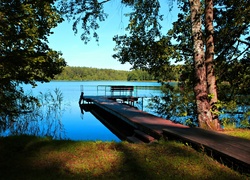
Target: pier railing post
{"points": [[81, 88]]}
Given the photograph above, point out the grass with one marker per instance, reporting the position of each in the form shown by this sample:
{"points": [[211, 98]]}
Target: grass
{"points": [[242, 133], [28, 157]]}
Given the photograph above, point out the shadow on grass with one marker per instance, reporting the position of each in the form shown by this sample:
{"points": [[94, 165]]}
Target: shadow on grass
{"points": [[28, 157]]}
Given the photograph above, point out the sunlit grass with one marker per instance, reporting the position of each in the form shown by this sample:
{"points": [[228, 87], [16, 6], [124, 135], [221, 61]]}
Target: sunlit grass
{"points": [[243, 133], [28, 157]]}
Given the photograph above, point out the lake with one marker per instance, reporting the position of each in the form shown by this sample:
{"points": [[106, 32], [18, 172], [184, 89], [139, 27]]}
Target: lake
{"points": [[65, 120]]}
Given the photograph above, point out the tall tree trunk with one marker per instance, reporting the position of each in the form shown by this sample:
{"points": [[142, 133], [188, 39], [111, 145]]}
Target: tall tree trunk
{"points": [[209, 60], [200, 82]]}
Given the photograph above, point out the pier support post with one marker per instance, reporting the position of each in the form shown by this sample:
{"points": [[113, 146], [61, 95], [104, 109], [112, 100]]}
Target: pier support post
{"points": [[81, 99]]}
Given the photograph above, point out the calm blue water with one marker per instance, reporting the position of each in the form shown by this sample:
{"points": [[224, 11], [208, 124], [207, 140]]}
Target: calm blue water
{"points": [[68, 122]]}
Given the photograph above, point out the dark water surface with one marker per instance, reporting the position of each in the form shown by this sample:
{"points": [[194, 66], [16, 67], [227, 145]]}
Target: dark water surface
{"points": [[68, 122]]}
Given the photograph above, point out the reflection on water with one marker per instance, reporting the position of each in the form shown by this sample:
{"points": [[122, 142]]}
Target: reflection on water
{"points": [[44, 120], [59, 115]]}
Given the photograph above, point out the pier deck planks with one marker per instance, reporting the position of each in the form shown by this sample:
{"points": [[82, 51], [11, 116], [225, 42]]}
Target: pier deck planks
{"points": [[234, 148]]}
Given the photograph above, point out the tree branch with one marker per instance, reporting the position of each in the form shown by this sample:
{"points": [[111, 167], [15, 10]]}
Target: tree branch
{"points": [[245, 42], [103, 2]]}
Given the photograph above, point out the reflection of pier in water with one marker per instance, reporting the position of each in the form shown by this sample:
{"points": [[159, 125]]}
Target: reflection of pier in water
{"points": [[128, 123]]}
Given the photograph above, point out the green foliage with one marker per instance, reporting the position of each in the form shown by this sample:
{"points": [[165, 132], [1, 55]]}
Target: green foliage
{"points": [[25, 55], [141, 48], [87, 13], [139, 75], [228, 123], [176, 104], [189, 122], [245, 123], [232, 66], [13, 101], [235, 115], [87, 74]]}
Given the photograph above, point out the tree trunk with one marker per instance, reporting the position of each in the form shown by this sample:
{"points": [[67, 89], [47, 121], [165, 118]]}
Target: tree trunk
{"points": [[209, 60], [200, 82]]}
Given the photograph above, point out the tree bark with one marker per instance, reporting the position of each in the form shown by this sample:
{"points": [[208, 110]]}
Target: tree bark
{"points": [[200, 82], [209, 61]]}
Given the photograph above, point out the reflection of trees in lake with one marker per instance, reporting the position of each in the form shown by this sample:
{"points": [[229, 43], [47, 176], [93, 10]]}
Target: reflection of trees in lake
{"points": [[177, 104], [45, 119]]}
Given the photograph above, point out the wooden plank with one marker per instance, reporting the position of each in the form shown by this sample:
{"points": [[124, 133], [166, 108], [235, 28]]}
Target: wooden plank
{"points": [[133, 139], [124, 88], [144, 136], [134, 116], [231, 149], [236, 149]]}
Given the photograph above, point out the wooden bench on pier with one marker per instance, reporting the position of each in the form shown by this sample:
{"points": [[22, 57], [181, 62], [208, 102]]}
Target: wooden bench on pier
{"points": [[122, 90]]}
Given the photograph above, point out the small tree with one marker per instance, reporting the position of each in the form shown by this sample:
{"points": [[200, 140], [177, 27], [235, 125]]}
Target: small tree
{"points": [[25, 55]]}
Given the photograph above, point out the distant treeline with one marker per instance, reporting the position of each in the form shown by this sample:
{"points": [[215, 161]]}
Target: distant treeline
{"points": [[87, 73]]}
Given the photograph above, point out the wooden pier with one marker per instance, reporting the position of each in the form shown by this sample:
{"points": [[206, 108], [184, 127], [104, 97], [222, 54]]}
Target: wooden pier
{"points": [[137, 126]]}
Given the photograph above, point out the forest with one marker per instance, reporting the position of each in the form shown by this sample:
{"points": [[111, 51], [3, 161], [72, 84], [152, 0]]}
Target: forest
{"points": [[70, 73]]}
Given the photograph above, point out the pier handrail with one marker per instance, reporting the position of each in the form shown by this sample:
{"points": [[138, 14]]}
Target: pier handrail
{"points": [[122, 90]]}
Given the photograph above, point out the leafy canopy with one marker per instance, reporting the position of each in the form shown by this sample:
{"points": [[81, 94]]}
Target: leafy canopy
{"points": [[25, 55], [146, 48]]}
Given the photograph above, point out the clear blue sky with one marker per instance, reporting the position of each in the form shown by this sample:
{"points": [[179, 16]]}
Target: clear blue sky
{"points": [[76, 53]]}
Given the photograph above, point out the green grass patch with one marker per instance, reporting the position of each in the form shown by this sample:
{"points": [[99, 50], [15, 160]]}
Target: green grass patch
{"points": [[242, 133], [28, 157]]}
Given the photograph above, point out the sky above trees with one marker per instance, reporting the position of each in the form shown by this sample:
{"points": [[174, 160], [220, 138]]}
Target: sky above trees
{"points": [[99, 55]]}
